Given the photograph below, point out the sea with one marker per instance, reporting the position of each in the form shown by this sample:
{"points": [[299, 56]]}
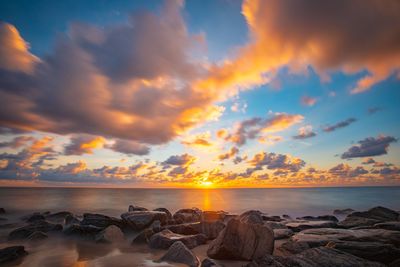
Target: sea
{"points": [[59, 251]]}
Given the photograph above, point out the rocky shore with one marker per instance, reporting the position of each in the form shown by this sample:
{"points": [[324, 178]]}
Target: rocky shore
{"points": [[252, 239]]}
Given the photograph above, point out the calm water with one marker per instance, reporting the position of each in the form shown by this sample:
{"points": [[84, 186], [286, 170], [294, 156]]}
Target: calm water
{"points": [[295, 201], [60, 251]]}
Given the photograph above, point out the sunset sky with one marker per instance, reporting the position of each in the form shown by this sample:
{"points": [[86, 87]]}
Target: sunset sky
{"points": [[216, 93]]}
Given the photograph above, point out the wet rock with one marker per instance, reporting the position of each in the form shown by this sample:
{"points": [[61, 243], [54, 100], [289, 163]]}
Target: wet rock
{"points": [[395, 263], [13, 253], [111, 234], [395, 226], [166, 238], [3, 219], [156, 226], [179, 253], [272, 218], [71, 219], [315, 257], [282, 233], [373, 251], [301, 225], [213, 216], [100, 220], [139, 220], [287, 217], [343, 211], [169, 215], [35, 218], [207, 262], [2, 211], [211, 229], [185, 228], [88, 232], [319, 218], [370, 217], [59, 216], [37, 236], [275, 225], [322, 236], [290, 248], [244, 238], [143, 236], [187, 215], [136, 208], [26, 231]]}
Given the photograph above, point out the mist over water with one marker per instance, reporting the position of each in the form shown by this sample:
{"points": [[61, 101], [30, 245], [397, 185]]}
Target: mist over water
{"points": [[293, 201]]}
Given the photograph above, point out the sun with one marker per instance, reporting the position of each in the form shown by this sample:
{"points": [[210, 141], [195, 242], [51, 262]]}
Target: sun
{"points": [[206, 183]]}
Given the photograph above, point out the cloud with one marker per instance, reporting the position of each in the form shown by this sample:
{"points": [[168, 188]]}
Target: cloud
{"points": [[373, 110], [339, 125], [133, 81], [274, 161], [180, 160], [308, 101], [201, 140], [14, 51], [345, 171], [368, 161], [348, 36], [305, 132], [231, 153], [252, 128], [129, 147], [17, 142], [369, 147], [83, 144]]}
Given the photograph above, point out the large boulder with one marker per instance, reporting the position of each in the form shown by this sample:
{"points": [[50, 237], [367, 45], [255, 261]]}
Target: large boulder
{"points": [[291, 247], [300, 225], [342, 212], [112, 234], [10, 254], [319, 218], [71, 219], [370, 217], [37, 236], [136, 208], [282, 233], [244, 238], [187, 215], [395, 226], [179, 253], [185, 228], [211, 229], [207, 262], [59, 216], [100, 220], [315, 257], [88, 232], [213, 216], [2, 211], [169, 215], [373, 251], [38, 226], [322, 236], [139, 220], [165, 238]]}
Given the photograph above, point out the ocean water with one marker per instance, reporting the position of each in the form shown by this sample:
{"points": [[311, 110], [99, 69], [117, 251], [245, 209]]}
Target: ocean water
{"points": [[58, 250]]}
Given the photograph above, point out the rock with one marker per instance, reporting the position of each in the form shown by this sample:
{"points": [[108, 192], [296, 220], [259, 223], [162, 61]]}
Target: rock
{"points": [[272, 218], [26, 231], [373, 251], [35, 218], [88, 232], [319, 218], [322, 236], [3, 219], [343, 211], [290, 248], [315, 257], [213, 216], [37, 236], [287, 217], [395, 226], [2, 211], [136, 208], [143, 236], [395, 263], [187, 215], [139, 220], [156, 226], [100, 220], [185, 228], [301, 225], [13, 253], [275, 225], [282, 233], [59, 216], [370, 217], [166, 238], [207, 262], [169, 215], [71, 219], [111, 234], [211, 229], [244, 238], [179, 253]]}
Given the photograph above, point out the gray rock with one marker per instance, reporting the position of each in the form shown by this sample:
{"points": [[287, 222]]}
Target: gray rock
{"points": [[37, 236], [373, 251], [395, 263], [272, 218], [13, 253], [187, 215], [139, 220], [319, 218], [112, 234], [156, 226], [136, 208], [59, 216], [169, 215], [2, 211], [322, 236], [100, 220], [370, 217], [395, 226], [35, 218], [179, 253], [343, 211], [211, 229], [213, 216], [282, 233], [166, 238], [207, 262], [300, 225], [290, 248], [185, 228], [244, 238], [267, 261], [143, 237], [88, 232], [26, 231], [71, 219]]}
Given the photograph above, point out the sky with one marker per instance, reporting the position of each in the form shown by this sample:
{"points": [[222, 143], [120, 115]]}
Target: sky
{"points": [[203, 94]]}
